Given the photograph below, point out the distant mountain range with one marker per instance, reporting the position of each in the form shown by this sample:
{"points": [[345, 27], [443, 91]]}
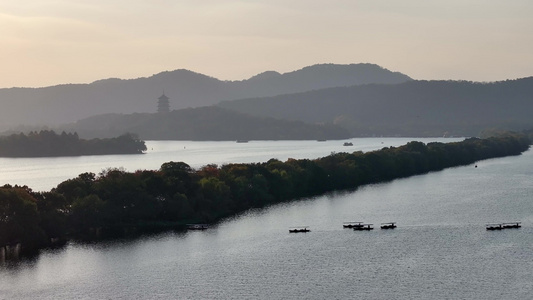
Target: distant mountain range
{"points": [[204, 123], [71, 102], [324, 101], [413, 108]]}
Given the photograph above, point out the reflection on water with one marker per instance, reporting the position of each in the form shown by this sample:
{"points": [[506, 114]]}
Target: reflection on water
{"points": [[440, 249]]}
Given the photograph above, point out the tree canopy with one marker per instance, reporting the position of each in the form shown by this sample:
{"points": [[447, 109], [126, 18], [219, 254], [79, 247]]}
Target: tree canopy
{"points": [[48, 143]]}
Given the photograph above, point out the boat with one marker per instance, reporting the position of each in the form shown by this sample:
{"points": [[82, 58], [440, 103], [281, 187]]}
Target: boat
{"points": [[299, 229], [511, 225], [347, 144], [352, 224], [364, 227], [390, 225], [494, 226], [242, 141], [197, 226]]}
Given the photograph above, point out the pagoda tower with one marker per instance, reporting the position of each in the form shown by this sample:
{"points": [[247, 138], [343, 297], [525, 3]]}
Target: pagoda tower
{"points": [[163, 105]]}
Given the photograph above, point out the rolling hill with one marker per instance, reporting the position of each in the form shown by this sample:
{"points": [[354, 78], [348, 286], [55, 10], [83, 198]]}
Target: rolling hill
{"points": [[414, 108], [203, 123], [71, 102]]}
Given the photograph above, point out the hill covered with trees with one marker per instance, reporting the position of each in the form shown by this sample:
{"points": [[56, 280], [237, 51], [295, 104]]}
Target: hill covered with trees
{"points": [[203, 123], [47, 143], [414, 108], [67, 103], [117, 202]]}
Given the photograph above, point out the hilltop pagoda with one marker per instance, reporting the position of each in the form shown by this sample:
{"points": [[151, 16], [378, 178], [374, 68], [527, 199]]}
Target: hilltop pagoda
{"points": [[163, 105]]}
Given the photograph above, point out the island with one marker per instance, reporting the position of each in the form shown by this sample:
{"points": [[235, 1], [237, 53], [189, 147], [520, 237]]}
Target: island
{"points": [[47, 143]]}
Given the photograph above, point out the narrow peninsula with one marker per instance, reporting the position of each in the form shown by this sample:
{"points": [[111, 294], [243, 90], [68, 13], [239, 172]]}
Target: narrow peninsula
{"points": [[118, 203]]}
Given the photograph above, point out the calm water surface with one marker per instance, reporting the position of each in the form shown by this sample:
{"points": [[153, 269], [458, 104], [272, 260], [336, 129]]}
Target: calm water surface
{"points": [[440, 249], [43, 174]]}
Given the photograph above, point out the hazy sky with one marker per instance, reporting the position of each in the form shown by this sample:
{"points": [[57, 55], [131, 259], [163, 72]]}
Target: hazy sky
{"points": [[48, 42]]}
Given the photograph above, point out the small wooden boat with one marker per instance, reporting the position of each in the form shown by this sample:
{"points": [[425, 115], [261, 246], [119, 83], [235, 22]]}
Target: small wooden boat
{"points": [[364, 227], [299, 229], [197, 226], [390, 225], [511, 225], [352, 224], [494, 226]]}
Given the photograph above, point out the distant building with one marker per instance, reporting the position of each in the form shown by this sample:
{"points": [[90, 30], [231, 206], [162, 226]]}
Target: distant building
{"points": [[163, 105]]}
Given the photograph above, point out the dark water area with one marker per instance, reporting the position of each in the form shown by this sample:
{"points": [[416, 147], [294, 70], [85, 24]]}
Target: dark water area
{"points": [[440, 249]]}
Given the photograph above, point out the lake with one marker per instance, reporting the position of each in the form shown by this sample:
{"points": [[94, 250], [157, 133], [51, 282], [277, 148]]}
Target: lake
{"points": [[440, 249], [43, 174]]}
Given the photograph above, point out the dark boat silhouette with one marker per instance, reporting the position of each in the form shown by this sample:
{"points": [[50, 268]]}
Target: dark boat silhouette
{"points": [[197, 226], [390, 225], [352, 224], [494, 226], [299, 229], [511, 225], [364, 227]]}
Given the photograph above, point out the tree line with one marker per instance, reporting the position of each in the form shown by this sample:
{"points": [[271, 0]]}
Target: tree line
{"points": [[117, 202], [47, 143]]}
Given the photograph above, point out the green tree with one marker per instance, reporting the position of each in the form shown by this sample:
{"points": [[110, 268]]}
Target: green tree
{"points": [[87, 212], [78, 187], [19, 218], [54, 210]]}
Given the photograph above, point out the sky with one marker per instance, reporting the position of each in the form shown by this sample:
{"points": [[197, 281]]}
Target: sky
{"points": [[50, 42]]}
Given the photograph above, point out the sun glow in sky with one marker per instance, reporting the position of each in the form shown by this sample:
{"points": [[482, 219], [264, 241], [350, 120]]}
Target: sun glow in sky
{"points": [[49, 42]]}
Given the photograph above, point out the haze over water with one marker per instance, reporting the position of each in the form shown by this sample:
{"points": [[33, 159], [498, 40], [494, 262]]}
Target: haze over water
{"points": [[440, 249]]}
